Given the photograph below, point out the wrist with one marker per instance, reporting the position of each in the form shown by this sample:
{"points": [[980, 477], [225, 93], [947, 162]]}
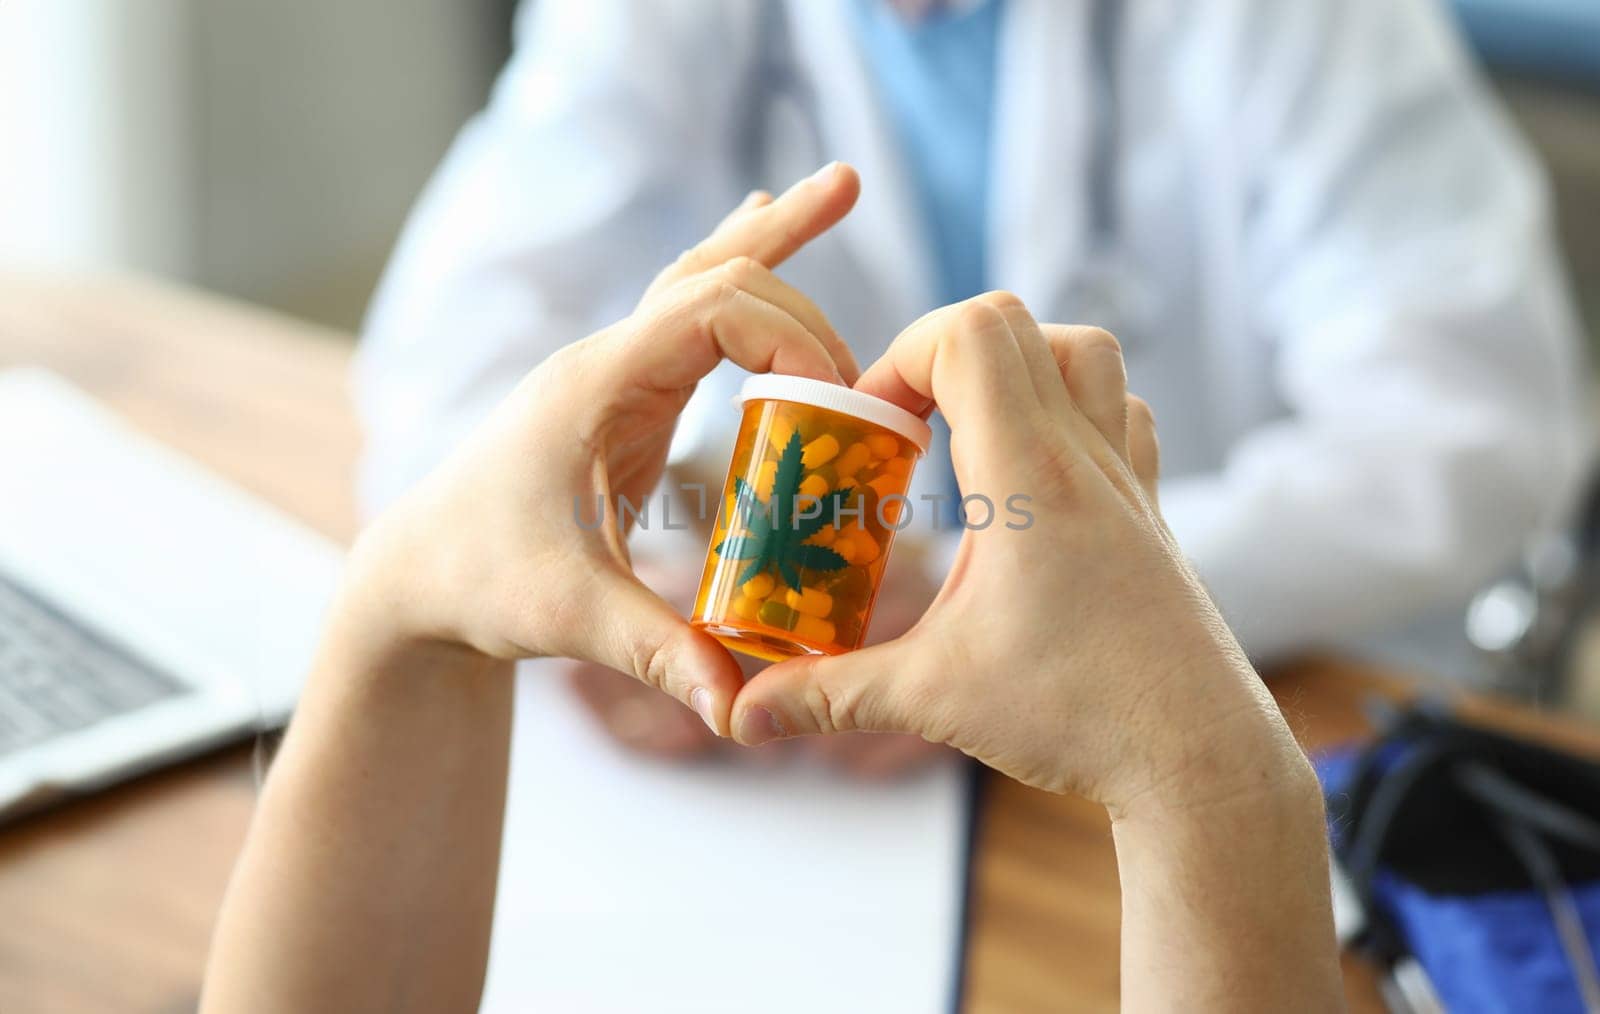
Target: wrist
{"points": [[378, 620], [1226, 892], [1273, 785], [1216, 752]]}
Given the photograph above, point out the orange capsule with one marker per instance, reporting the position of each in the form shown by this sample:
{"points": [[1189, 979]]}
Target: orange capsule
{"points": [[766, 475], [854, 458], [882, 445], [820, 451], [845, 547], [810, 601], [867, 548], [813, 629], [758, 587], [890, 501], [782, 429]]}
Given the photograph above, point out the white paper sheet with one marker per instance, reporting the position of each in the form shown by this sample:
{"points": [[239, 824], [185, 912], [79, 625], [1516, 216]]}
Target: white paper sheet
{"points": [[628, 886]]}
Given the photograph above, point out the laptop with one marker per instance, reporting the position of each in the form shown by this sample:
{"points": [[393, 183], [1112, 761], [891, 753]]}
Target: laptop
{"points": [[149, 610]]}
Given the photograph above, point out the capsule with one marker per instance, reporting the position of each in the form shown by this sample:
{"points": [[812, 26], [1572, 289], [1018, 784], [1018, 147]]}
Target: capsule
{"points": [[848, 586], [778, 436], [897, 467], [813, 629], [854, 458], [746, 608], [882, 445], [887, 485], [766, 475], [820, 451], [810, 601], [866, 547], [758, 587], [776, 614]]}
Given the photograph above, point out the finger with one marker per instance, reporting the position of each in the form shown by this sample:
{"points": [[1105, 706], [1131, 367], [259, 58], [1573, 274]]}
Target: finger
{"points": [[875, 755], [1144, 450], [637, 716], [964, 358], [768, 755], [773, 231], [1043, 370], [871, 690], [614, 620], [754, 199], [710, 319], [1090, 360], [753, 277]]}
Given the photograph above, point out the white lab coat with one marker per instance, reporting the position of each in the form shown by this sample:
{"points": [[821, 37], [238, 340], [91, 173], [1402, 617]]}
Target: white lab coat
{"points": [[1344, 303]]}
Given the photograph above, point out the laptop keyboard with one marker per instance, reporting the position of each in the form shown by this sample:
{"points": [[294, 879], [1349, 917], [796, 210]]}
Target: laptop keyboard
{"points": [[57, 676]]}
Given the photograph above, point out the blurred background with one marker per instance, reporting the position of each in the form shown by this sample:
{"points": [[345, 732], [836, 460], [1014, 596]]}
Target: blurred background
{"points": [[264, 151], [271, 151]]}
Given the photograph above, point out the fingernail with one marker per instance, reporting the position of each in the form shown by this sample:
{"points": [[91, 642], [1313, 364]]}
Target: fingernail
{"points": [[700, 701], [825, 171], [760, 726]]}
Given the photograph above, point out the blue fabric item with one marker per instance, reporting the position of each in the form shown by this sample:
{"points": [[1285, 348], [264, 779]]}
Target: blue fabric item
{"points": [[1548, 38], [1492, 952], [935, 78]]}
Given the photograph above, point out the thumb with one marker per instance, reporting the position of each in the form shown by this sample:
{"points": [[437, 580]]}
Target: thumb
{"points": [[878, 689], [626, 626]]}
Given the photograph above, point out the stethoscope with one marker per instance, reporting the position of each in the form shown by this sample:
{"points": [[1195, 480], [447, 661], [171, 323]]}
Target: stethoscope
{"points": [[1102, 290]]}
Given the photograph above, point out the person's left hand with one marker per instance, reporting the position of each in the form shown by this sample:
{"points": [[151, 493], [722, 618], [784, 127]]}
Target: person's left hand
{"points": [[488, 554]]}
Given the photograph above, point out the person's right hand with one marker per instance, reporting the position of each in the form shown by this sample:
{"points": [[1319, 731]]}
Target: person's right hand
{"points": [[1080, 654]]}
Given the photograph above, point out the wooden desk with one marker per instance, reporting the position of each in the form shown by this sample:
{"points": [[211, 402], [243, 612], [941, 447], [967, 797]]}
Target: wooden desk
{"points": [[108, 902]]}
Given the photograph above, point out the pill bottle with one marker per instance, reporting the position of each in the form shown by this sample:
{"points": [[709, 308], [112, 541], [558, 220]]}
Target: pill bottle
{"points": [[815, 493]]}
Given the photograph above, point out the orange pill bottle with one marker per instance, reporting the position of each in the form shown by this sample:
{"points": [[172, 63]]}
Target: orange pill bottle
{"points": [[814, 496]]}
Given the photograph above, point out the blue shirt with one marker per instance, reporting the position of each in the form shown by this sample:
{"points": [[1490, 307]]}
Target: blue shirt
{"points": [[935, 79]]}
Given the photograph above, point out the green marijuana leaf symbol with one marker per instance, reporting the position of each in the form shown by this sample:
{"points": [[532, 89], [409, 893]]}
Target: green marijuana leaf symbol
{"points": [[775, 532]]}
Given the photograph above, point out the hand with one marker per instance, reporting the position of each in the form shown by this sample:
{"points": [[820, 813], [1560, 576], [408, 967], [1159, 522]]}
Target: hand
{"points": [[487, 552], [650, 722], [633, 714], [405, 719], [883, 755], [1080, 654]]}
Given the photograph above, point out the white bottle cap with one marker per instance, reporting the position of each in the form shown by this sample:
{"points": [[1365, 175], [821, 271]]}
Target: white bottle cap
{"points": [[836, 398]]}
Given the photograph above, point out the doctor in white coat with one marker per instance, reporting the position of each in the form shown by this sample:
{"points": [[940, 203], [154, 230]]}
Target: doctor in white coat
{"points": [[1326, 253]]}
